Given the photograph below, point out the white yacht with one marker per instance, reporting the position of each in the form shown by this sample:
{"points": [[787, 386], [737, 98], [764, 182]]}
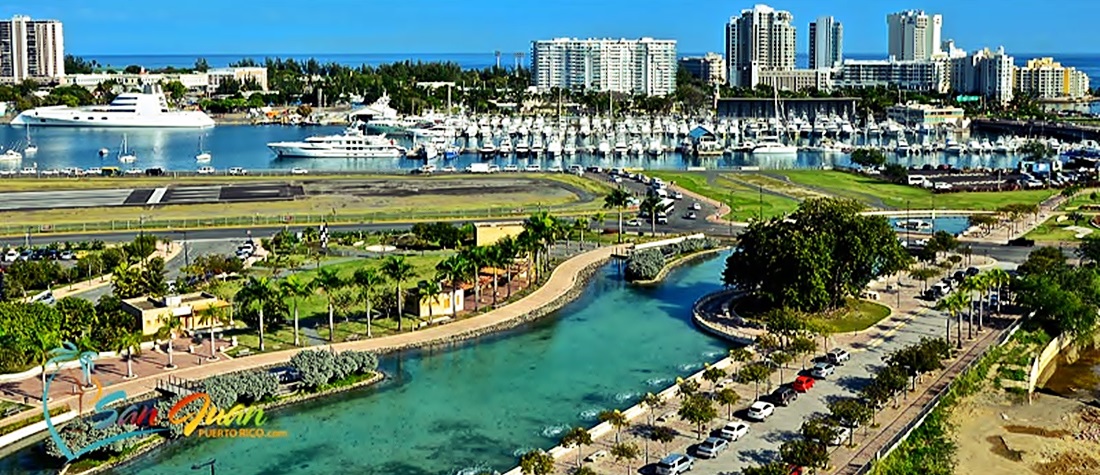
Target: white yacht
{"points": [[774, 147], [146, 109], [604, 147], [352, 144], [203, 155], [903, 146], [953, 147], [11, 154], [554, 149], [31, 148], [124, 153], [505, 146]]}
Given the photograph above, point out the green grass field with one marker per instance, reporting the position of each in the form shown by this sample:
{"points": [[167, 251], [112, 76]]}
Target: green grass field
{"points": [[1052, 231], [746, 202], [860, 316]]}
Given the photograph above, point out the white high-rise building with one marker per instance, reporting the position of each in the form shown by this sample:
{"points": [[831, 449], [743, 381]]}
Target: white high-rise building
{"points": [[914, 35], [31, 49], [761, 39], [1046, 78], [644, 66], [826, 43], [986, 73]]}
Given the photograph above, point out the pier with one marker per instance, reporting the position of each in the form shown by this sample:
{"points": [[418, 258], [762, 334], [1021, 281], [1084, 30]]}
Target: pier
{"points": [[1059, 130]]}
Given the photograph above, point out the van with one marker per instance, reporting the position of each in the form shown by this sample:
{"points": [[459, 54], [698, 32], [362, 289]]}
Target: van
{"points": [[916, 179]]}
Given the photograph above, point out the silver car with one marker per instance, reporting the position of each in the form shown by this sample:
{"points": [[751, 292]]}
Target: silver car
{"points": [[711, 447]]}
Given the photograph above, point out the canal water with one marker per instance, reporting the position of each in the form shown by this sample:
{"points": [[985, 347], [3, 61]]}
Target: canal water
{"points": [[245, 146], [952, 224], [479, 404]]}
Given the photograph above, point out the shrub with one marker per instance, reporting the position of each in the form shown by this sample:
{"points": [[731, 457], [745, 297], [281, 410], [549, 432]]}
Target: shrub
{"points": [[317, 367], [645, 265], [81, 433], [245, 387]]}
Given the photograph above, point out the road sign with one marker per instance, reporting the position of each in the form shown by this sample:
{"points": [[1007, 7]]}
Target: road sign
{"points": [[968, 98]]}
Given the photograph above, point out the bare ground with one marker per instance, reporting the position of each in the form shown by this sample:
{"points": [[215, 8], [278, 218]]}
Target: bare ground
{"points": [[1000, 433]]}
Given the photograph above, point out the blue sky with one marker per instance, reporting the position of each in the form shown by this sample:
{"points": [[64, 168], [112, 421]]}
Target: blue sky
{"points": [[104, 27]]}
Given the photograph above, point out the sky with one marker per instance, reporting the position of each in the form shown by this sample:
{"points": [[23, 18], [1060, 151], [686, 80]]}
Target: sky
{"points": [[133, 27]]}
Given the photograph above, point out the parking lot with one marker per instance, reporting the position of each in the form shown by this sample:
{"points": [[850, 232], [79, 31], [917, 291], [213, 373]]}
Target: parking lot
{"points": [[945, 179]]}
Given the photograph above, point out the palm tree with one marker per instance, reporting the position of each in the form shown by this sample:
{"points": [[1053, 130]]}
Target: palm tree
{"points": [[497, 260], [545, 229], [598, 220], [295, 288], [650, 206], [477, 258], [998, 278], [328, 281], [429, 290], [367, 279], [211, 317], [967, 288], [397, 270], [255, 295], [653, 402], [170, 324], [580, 225], [43, 344], [128, 342], [616, 419], [617, 199], [529, 244], [509, 249], [577, 437], [453, 269], [953, 305]]}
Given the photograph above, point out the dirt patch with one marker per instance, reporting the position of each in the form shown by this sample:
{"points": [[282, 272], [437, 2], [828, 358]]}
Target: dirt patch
{"points": [[1000, 447], [1070, 463], [1038, 431]]}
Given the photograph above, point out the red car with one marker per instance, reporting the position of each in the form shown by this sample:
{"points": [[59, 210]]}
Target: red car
{"points": [[795, 470], [803, 383]]}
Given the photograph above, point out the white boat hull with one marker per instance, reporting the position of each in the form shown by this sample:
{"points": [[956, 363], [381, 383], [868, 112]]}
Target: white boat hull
{"points": [[69, 117], [776, 150], [291, 151]]}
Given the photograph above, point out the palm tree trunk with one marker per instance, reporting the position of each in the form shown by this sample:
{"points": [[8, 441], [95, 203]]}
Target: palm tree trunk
{"points": [[130, 362], [213, 355], [620, 225], [297, 341], [368, 315], [494, 287], [509, 281], [261, 328], [400, 323], [331, 324]]}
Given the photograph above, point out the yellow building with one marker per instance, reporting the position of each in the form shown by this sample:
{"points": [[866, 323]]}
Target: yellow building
{"points": [[486, 234], [1046, 78], [152, 311], [444, 304]]}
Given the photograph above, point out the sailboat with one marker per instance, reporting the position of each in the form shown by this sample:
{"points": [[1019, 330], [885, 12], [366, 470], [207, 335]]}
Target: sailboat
{"points": [[774, 147], [203, 155], [124, 153], [31, 147]]}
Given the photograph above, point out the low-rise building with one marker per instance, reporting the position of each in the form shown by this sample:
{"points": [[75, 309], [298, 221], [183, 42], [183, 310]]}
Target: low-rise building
{"points": [[917, 75], [913, 114], [447, 303], [198, 82], [152, 312], [710, 68], [798, 79], [1046, 78], [486, 234], [257, 75]]}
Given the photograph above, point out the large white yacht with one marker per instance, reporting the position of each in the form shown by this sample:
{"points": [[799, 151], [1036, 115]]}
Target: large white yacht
{"points": [[352, 144], [146, 109]]}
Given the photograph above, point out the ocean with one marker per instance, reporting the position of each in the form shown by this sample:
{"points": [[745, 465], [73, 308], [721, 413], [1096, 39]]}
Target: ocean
{"points": [[1089, 63]]}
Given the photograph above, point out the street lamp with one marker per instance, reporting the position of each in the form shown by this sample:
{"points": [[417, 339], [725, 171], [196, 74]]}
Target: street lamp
{"points": [[210, 464]]}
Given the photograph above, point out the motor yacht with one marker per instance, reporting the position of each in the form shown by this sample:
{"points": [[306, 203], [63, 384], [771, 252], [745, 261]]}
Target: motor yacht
{"points": [[352, 144], [147, 109]]}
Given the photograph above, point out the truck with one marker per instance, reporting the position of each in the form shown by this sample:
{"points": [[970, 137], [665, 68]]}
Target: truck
{"points": [[479, 168]]}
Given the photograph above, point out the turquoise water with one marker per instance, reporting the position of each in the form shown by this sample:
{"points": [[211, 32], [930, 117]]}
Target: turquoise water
{"points": [[952, 224], [481, 403]]}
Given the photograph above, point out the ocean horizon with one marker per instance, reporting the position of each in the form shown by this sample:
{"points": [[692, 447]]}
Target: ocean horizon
{"points": [[1086, 62]]}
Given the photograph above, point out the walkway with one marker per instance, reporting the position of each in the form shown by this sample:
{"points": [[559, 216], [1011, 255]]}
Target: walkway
{"points": [[561, 282]]}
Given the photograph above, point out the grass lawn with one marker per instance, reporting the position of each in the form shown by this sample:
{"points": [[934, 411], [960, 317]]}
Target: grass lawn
{"points": [[860, 315], [1081, 199], [1052, 231], [746, 202], [879, 193]]}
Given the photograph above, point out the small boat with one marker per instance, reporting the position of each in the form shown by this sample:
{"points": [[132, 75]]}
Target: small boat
{"points": [[124, 154], [11, 154], [203, 155], [31, 147], [914, 225], [103, 152]]}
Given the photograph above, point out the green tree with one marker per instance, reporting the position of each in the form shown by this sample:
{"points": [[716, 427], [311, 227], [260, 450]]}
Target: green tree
{"points": [[651, 206], [653, 402], [802, 346], [328, 281], [428, 291], [804, 453], [536, 462], [713, 375], [398, 271], [577, 437], [739, 355], [295, 288], [781, 359], [625, 453], [868, 157], [1089, 249], [618, 200], [211, 317], [851, 412], [727, 397], [616, 419], [699, 411], [771, 468], [367, 279], [131, 344], [755, 373], [255, 296], [664, 435]]}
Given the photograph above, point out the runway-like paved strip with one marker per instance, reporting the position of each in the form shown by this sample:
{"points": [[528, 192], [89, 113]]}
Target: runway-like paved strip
{"points": [[62, 199]]}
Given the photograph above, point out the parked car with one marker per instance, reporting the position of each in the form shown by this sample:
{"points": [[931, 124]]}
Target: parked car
{"points": [[711, 447], [958, 276], [678, 196], [534, 167], [11, 255], [803, 383], [238, 171], [734, 431], [675, 464], [207, 170], [299, 171], [634, 222], [842, 434], [761, 410], [555, 169], [690, 215], [838, 356], [822, 370], [449, 169], [972, 271], [26, 255], [511, 168], [67, 255], [696, 206], [784, 396], [662, 220]]}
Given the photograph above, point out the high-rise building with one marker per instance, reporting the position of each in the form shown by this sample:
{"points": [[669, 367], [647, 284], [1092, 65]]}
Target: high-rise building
{"points": [[761, 39], [1046, 78], [31, 49], [914, 35], [644, 66], [985, 72], [826, 43], [710, 68]]}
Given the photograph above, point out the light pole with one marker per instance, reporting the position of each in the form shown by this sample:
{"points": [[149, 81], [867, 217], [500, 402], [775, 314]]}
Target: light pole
{"points": [[210, 464]]}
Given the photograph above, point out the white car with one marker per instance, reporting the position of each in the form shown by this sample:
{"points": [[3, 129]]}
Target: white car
{"points": [[690, 215], [711, 447], [133, 171], [838, 356], [734, 431], [678, 195], [494, 169], [511, 168], [51, 172], [696, 206], [842, 434], [11, 256], [675, 464], [449, 169], [299, 171], [634, 222], [238, 171], [94, 171], [206, 170], [534, 167], [761, 410], [556, 170], [28, 171], [822, 370], [617, 179]]}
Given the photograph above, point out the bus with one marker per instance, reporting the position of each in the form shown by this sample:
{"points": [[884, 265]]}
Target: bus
{"points": [[664, 209]]}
